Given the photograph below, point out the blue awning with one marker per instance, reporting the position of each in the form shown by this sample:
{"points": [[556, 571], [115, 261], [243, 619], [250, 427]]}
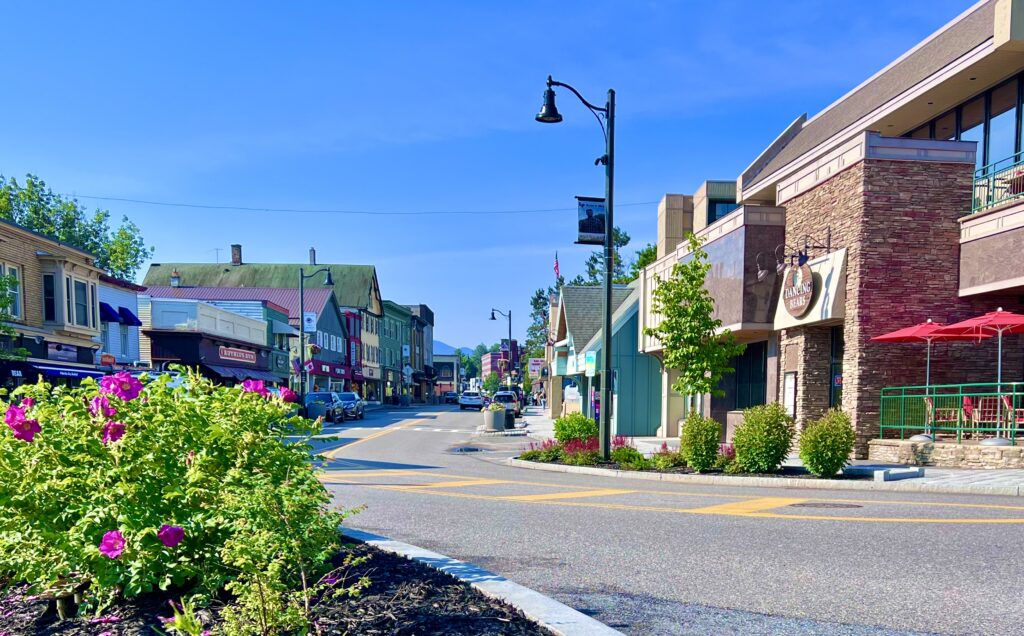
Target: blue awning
{"points": [[128, 318], [107, 314], [58, 371]]}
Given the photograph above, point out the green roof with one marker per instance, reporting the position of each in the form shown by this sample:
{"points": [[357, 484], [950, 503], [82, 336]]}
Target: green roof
{"points": [[354, 285], [395, 309]]}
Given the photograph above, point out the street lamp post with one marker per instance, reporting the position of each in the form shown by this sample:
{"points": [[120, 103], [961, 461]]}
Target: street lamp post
{"points": [[509, 316], [328, 282], [549, 115]]}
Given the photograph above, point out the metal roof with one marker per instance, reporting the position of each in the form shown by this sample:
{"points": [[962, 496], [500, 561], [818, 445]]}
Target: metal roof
{"points": [[285, 300]]}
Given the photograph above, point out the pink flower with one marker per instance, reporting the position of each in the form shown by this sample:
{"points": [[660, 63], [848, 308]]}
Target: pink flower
{"points": [[112, 544], [122, 384], [100, 406], [288, 395], [25, 430], [27, 403], [170, 536], [112, 431], [255, 386]]}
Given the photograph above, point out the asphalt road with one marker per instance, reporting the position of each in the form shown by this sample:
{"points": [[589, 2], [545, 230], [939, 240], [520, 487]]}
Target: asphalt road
{"points": [[659, 558]]}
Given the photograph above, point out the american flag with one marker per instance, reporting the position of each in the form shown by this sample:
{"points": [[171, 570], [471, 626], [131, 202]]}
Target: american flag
{"points": [[557, 273]]}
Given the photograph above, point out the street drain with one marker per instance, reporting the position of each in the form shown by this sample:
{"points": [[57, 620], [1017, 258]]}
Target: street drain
{"points": [[824, 504], [466, 449]]}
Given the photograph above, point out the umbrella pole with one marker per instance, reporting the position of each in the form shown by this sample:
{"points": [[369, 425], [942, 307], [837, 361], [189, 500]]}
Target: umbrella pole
{"points": [[999, 385], [928, 382]]}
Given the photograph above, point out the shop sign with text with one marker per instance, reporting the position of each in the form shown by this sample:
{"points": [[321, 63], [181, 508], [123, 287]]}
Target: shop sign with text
{"points": [[798, 290], [237, 355]]}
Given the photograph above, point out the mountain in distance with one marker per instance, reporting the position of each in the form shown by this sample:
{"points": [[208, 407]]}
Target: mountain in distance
{"points": [[445, 349]]}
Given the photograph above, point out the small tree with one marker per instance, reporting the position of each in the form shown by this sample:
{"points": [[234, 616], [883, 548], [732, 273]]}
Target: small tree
{"points": [[492, 382], [689, 332], [527, 383]]}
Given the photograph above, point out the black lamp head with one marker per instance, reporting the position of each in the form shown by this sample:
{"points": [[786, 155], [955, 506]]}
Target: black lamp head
{"points": [[492, 315], [328, 281], [549, 112]]}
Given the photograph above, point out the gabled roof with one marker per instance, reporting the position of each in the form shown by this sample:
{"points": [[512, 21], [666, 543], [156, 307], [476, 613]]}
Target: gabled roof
{"points": [[286, 299], [952, 41], [584, 309], [629, 306], [354, 285]]}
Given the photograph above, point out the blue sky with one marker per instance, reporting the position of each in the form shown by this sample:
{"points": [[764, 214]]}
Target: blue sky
{"points": [[417, 107]]}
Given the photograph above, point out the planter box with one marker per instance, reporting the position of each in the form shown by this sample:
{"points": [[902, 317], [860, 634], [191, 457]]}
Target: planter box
{"points": [[494, 420]]}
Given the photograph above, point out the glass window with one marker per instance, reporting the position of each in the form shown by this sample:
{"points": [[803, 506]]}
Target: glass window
{"points": [[835, 395], [14, 291], [93, 305], [924, 132], [81, 303], [105, 335], [68, 302], [972, 125], [1002, 134], [718, 209], [752, 375], [125, 351], [49, 298], [945, 126]]}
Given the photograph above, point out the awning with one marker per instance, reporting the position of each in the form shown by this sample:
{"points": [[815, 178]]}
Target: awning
{"points": [[60, 371], [824, 300], [128, 318], [237, 373], [18, 369], [108, 314], [279, 327]]}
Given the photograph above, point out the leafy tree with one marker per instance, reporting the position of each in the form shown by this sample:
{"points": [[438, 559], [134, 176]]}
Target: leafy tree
{"points": [[688, 331], [595, 264], [120, 251], [527, 383], [7, 332], [643, 257], [468, 363], [492, 382]]}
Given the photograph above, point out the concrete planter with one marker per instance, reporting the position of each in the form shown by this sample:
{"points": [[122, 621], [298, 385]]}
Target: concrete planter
{"points": [[494, 420]]}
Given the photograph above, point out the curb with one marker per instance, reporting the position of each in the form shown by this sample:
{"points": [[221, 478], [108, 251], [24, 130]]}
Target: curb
{"points": [[776, 482], [545, 611]]}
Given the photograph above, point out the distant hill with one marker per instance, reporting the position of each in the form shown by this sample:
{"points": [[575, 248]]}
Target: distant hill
{"points": [[445, 349]]}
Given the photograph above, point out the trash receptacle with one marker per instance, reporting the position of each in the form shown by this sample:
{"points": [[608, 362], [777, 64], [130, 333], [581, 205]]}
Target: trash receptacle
{"points": [[510, 419]]}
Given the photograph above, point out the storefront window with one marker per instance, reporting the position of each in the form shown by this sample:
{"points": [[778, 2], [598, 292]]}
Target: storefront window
{"points": [[49, 298], [751, 375], [972, 125], [945, 127], [835, 396]]}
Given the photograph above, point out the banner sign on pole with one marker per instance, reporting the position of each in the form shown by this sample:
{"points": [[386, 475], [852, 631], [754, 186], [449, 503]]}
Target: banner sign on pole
{"points": [[592, 220], [309, 321]]}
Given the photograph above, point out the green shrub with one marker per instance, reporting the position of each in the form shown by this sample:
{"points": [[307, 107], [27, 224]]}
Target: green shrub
{"points": [[547, 451], [826, 444], [532, 455], [575, 426], [665, 460], [629, 458], [764, 439], [699, 442], [120, 488], [726, 459]]}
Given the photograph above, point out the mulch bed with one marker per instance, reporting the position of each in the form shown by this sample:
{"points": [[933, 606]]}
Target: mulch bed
{"points": [[405, 597], [793, 472]]}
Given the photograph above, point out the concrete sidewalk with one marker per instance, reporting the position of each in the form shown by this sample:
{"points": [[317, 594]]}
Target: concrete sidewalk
{"points": [[1010, 482]]}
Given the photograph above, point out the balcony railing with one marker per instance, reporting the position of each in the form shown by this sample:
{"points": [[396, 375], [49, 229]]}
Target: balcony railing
{"points": [[999, 182], [957, 412]]}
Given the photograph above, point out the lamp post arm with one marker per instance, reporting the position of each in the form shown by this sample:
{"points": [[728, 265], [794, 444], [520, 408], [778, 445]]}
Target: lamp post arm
{"points": [[593, 109]]}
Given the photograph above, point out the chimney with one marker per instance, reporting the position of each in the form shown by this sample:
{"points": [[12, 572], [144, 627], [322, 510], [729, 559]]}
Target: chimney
{"points": [[236, 254], [312, 256], [175, 278]]}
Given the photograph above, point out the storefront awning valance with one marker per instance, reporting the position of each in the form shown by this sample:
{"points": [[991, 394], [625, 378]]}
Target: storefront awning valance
{"points": [[237, 373], [128, 318], [108, 313], [61, 371], [820, 298]]}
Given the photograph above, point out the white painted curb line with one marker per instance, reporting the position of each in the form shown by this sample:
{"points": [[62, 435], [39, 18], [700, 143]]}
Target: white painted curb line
{"points": [[547, 612], [776, 482]]}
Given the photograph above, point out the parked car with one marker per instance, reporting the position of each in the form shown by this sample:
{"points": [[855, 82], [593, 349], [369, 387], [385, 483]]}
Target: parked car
{"points": [[510, 400], [326, 405], [451, 397], [471, 400], [352, 405]]}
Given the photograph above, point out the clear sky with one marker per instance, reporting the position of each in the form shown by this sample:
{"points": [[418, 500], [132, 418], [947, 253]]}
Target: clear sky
{"points": [[417, 107]]}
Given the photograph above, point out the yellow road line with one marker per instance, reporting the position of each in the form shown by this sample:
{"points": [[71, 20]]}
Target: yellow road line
{"points": [[458, 484], [331, 454], [568, 495], [747, 507]]}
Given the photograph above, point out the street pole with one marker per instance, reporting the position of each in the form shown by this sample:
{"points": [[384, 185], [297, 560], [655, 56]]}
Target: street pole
{"points": [[609, 267], [302, 336], [510, 348]]}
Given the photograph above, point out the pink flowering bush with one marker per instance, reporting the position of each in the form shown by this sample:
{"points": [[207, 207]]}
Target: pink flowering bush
{"points": [[122, 486]]}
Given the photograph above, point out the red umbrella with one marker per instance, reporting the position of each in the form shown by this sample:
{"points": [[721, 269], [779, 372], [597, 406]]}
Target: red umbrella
{"points": [[994, 323], [924, 332]]}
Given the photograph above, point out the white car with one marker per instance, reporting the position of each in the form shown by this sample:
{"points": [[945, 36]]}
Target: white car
{"points": [[510, 400], [471, 400]]}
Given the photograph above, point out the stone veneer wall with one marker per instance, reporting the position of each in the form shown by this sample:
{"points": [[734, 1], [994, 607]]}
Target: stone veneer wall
{"points": [[898, 221], [894, 451]]}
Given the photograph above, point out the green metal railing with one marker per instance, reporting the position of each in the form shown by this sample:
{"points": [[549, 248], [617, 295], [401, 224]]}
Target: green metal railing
{"points": [[999, 182], [954, 411]]}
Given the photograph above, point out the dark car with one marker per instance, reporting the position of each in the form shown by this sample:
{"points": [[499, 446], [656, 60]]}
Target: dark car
{"points": [[354, 407], [451, 397], [327, 405]]}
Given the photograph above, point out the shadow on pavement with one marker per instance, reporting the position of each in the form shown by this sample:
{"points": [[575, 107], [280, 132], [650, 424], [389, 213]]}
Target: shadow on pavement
{"points": [[367, 464]]}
